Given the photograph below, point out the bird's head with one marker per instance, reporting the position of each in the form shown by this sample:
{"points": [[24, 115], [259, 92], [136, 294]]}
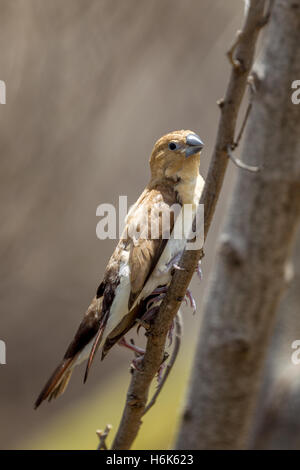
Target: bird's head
{"points": [[176, 155]]}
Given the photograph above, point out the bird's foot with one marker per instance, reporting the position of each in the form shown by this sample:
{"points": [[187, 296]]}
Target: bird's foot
{"points": [[142, 323], [160, 290], [179, 268], [152, 307], [159, 375], [170, 333], [136, 363], [147, 317], [199, 270], [138, 351], [189, 298], [174, 263], [154, 301], [161, 368]]}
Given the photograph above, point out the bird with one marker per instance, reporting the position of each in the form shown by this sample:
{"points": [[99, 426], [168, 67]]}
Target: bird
{"points": [[140, 268]]}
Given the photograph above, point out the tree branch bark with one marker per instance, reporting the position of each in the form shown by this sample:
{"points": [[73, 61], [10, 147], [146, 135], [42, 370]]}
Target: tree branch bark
{"points": [[139, 387], [276, 419], [255, 245]]}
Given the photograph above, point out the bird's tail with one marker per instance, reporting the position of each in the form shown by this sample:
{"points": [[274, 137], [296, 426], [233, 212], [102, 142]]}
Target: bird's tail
{"points": [[58, 381]]}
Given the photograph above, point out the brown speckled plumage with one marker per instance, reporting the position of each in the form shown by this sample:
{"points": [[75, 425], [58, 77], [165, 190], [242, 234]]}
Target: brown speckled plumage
{"points": [[119, 300]]}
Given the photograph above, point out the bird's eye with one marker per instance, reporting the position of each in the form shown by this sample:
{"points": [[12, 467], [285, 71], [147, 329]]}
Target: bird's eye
{"points": [[172, 146]]}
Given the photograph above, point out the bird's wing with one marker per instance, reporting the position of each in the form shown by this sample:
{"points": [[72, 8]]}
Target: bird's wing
{"points": [[133, 262], [87, 329], [146, 251]]}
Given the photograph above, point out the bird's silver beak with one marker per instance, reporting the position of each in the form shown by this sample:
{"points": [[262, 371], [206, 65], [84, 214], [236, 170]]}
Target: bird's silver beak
{"points": [[193, 145]]}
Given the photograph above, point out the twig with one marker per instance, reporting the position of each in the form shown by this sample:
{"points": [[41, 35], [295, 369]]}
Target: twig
{"points": [[240, 134], [230, 54], [141, 379], [267, 15], [232, 147], [102, 437], [238, 162]]}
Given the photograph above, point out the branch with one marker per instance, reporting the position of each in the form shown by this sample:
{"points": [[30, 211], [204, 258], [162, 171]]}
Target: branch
{"points": [[249, 274], [141, 379], [102, 437], [171, 362]]}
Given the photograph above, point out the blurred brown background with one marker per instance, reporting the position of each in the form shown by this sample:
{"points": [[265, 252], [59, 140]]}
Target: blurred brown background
{"points": [[91, 84]]}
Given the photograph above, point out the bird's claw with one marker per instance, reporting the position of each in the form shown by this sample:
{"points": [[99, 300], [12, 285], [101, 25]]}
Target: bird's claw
{"points": [[189, 297], [142, 323], [138, 351], [136, 363], [176, 266], [199, 270], [161, 368], [160, 373], [170, 334], [153, 304]]}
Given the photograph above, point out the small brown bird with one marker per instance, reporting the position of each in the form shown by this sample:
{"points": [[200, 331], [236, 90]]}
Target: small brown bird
{"points": [[140, 267]]}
